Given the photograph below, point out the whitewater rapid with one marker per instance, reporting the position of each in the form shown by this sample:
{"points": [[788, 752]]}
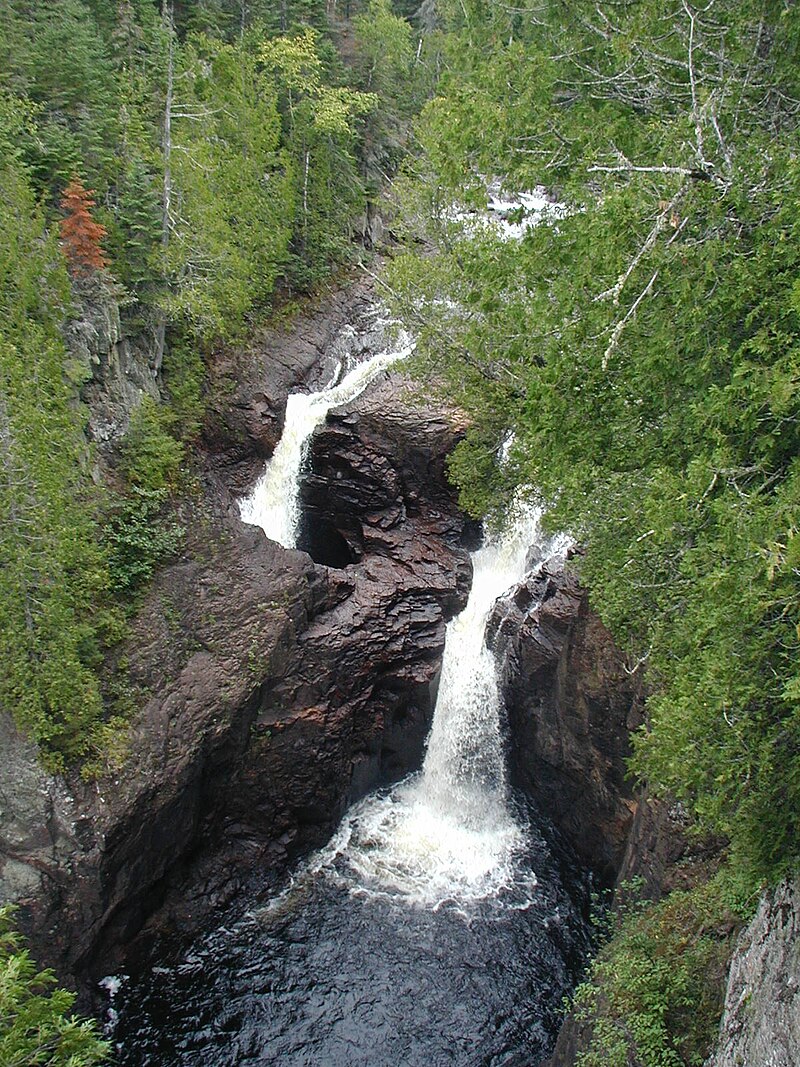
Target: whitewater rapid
{"points": [[274, 502], [450, 833]]}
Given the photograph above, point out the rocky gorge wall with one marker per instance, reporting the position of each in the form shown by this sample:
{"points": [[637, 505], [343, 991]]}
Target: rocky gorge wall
{"points": [[571, 706], [274, 686], [761, 1020], [272, 690]]}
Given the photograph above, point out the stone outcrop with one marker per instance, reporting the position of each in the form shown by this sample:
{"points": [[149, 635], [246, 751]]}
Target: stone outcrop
{"points": [[376, 465], [37, 835], [351, 704], [271, 689], [662, 853], [189, 664], [571, 706], [761, 1021], [114, 368]]}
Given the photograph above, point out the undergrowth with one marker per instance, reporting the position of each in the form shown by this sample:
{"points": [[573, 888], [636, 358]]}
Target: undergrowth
{"points": [[654, 994]]}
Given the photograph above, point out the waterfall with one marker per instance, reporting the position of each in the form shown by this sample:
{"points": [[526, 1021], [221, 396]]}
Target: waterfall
{"points": [[273, 503], [449, 833], [463, 776]]}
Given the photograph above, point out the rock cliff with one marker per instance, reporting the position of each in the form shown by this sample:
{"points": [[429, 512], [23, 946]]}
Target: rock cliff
{"points": [[114, 366], [571, 707], [271, 689], [761, 1020]]}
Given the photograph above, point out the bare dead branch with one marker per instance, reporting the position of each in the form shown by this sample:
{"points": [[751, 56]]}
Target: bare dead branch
{"points": [[623, 322]]}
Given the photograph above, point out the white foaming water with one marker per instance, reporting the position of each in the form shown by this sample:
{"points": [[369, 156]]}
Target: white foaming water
{"points": [[447, 834], [273, 503], [527, 209]]}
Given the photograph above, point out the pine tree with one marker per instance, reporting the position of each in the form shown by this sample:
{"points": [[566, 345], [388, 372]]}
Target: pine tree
{"points": [[80, 234], [36, 1024]]}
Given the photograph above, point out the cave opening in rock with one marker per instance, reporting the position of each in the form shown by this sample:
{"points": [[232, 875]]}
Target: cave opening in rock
{"points": [[324, 543]]}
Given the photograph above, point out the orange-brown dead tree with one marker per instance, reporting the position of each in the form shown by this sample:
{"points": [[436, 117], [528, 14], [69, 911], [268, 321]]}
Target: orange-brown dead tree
{"points": [[80, 234]]}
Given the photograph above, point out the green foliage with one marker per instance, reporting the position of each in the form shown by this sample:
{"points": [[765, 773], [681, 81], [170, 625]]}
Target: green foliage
{"points": [[182, 106], [643, 347], [135, 231], [386, 68], [35, 1025], [138, 538], [654, 993], [150, 455], [52, 572], [233, 180], [56, 57], [385, 50], [184, 378], [289, 16], [319, 122], [110, 746]]}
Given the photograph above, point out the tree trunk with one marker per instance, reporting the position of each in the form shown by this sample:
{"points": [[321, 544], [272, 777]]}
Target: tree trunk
{"points": [[166, 146]]}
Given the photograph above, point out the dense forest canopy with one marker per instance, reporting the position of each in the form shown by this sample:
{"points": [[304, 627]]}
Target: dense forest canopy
{"points": [[642, 346]]}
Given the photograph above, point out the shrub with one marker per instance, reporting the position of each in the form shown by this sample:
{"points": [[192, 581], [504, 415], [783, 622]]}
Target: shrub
{"points": [[150, 455], [35, 1027], [138, 538], [184, 374], [654, 994]]}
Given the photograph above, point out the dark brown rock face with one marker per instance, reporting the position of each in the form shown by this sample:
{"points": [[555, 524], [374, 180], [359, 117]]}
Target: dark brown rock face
{"points": [[377, 465], [195, 658], [279, 690], [272, 691], [571, 707]]}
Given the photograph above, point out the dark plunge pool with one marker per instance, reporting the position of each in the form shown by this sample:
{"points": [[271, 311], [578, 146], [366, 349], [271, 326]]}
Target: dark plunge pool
{"points": [[337, 971]]}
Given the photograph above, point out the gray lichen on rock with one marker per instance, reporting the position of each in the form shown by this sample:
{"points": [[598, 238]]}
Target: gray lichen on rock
{"points": [[761, 1023]]}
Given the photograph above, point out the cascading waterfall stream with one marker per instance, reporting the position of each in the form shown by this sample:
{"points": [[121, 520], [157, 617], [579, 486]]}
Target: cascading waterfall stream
{"points": [[436, 926], [449, 832], [274, 502]]}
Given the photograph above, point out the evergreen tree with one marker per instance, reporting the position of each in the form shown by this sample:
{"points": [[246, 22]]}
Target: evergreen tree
{"points": [[135, 233], [52, 573], [319, 124], [60, 61], [233, 205], [81, 236], [35, 1024]]}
